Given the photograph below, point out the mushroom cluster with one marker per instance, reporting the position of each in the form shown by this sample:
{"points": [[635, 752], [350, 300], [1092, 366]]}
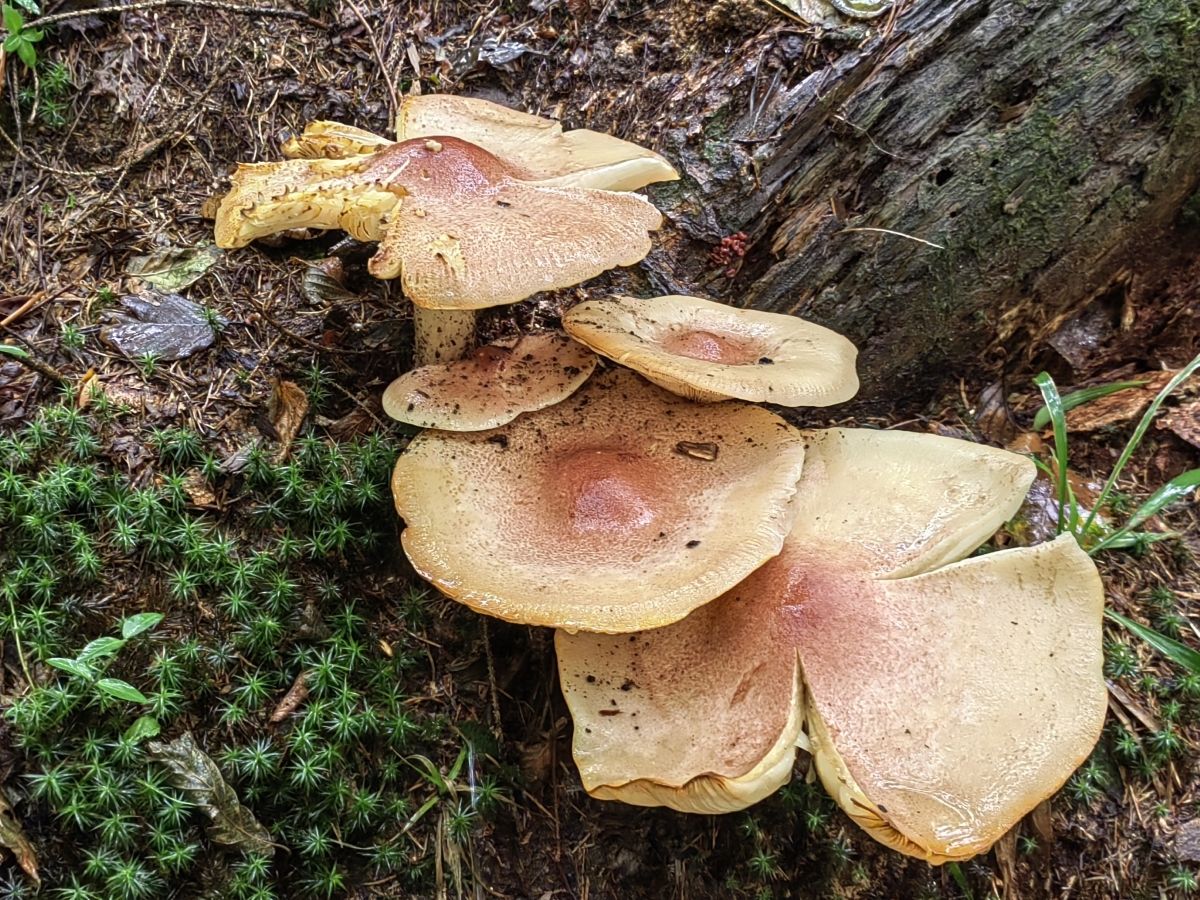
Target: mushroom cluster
{"points": [[725, 588]]}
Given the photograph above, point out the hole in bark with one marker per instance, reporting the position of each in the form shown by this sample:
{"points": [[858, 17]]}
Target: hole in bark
{"points": [[1022, 92], [943, 175], [1148, 101]]}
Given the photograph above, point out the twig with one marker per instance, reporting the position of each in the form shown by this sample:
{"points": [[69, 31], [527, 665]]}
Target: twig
{"points": [[38, 366], [158, 4], [387, 78], [498, 730], [895, 233]]}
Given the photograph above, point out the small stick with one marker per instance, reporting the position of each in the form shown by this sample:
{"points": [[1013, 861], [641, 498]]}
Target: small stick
{"points": [[38, 366], [158, 4], [896, 234]]}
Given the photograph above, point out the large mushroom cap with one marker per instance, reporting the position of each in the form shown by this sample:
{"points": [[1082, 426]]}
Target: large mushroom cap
{"points": [[620, 509], [455, 224], [710, 351], [537, 147], [492, 386], [943, 700], [980, 691]]}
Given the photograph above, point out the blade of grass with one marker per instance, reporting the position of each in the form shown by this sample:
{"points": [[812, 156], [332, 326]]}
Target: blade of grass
{"points": [[1135, 439], [1168, 647], [1175, 489], [1058, 418], [1078, 398]]}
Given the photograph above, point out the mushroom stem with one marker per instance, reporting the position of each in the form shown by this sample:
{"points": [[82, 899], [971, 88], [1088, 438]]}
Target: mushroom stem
{"points": [[442, 335]]}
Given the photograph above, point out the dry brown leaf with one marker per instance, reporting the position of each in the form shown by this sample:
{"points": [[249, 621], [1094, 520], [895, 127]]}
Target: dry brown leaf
{"points": [[198, 490], [1119, 407], [288, 407], [1184, 421], [1187, 841], [13, 838]]}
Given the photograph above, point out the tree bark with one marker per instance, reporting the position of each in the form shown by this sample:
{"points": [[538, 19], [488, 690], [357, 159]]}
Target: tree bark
{"points": [[1040, 145]]}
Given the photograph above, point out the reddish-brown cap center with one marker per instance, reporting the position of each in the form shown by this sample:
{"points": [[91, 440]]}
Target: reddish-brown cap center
{"points": [[607, 491], [710, 346]]}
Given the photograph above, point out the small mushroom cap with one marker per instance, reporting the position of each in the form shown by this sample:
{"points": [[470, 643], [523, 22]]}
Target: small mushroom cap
{"points": [[941, 704], [333, 140], [454, 223], [620, 509], [493, 385], [944, 707], [701, 716], [537, 147], [709, 351]]}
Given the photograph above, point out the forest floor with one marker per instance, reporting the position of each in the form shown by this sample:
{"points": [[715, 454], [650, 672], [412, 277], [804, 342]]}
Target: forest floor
{"points": [[385, 741]]}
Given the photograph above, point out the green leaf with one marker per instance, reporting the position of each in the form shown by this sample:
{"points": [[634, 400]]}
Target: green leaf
{"points": [[26, 53], [30, 6], [33, 35], [1054, 405], [13, 21], [1175, 489], [194, 772], [135, 625], [144, 727], [11, 43], [76, 668], [173, 268], [1168, 647], [100, 647], [122, 690], [1078, 398]]}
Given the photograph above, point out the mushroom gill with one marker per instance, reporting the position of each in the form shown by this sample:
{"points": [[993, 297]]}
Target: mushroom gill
{"points": [[620, 509]]}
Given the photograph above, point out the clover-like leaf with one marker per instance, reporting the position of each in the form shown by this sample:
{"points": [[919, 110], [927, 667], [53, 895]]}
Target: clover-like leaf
{"points": [[122, 690], [137, 624], [142, 728], [74, 667], [99, 648], [13, 22], [194, 772]]}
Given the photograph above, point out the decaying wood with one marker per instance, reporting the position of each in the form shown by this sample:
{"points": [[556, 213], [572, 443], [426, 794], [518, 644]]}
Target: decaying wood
{"points": [[1042, 144]]}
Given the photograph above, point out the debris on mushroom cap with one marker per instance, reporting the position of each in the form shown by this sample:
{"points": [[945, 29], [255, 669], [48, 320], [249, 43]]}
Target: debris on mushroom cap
{"points": [[493, 385], [710, 351], [620, 509], [942, 699], [333, 140], [537, 147], [454, 223]]}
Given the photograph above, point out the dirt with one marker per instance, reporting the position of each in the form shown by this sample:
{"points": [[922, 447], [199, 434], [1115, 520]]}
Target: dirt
{"points": [[165, 101]]}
